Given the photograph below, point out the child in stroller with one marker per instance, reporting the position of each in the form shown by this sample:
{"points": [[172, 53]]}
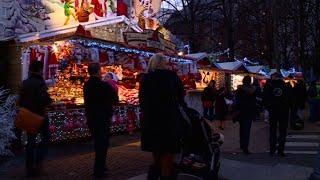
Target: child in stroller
{"points": [[200, 156]]}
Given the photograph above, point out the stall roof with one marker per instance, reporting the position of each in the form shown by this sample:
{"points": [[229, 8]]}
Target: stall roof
{"points": [[72, 28], [231, 66], [254, 69], [198, 56]]}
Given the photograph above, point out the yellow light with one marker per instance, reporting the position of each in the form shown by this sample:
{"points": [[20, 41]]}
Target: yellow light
{"points": [[55, 48], [180, 53]]}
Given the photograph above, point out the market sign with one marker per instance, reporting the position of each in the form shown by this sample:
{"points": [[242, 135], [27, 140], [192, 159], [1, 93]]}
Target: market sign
{"points": [[23, 17], [149, 39], [144, 13]]}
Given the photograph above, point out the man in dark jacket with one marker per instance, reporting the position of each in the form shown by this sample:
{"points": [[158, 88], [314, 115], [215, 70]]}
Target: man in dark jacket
{"points": [[99, 98], [246, 105], [278, 104], [34, 97]]}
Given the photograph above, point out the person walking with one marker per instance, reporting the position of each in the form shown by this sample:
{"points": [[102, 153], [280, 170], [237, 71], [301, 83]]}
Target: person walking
{"points": [[278, 105], [246, 106], [99, 99], [160, 94], [35, 98], [208, 98], [221, 108]]}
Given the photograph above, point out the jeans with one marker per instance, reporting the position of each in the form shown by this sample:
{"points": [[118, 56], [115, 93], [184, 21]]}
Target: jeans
{"points": [[36, 154], [100, 136], [316, 173], [245, 128], [279, 118], [208, 113]]}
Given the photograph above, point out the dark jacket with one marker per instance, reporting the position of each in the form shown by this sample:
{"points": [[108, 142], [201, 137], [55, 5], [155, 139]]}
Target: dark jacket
{"points": [[246, 101], [209, 94], [34, 95], [99, 98], [312, 91], [160, 93], [277, 96], [221, 108]]}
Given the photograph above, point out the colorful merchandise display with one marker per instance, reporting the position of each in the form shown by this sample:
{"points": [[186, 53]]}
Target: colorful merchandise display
{"points": [[65, 71]]}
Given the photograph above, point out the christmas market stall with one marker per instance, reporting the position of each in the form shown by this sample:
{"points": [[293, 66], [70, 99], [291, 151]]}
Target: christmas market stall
{"points": [[206, 73], [66, 61], [235, 71]]}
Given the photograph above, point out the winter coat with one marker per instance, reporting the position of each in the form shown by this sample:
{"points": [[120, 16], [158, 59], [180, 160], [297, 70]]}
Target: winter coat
{"points": [[312, 91], [160, 94], [208, 95], [34, 95], [301, 95], [99, 98], [246, 101], [221, 108], [277, 95]]}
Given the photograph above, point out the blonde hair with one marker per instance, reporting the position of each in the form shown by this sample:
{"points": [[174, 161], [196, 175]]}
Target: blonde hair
{"points": [[157, 61]]}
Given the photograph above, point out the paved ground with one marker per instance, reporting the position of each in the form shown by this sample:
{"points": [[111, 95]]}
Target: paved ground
{"points": [[74, 161]]}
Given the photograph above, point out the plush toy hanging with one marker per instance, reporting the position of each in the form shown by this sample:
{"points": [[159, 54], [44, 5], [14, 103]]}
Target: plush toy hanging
{"points": [[53, 64]]}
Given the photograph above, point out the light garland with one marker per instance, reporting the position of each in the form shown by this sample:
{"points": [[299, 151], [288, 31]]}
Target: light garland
{"points": [[89, 43], [70, 124]]}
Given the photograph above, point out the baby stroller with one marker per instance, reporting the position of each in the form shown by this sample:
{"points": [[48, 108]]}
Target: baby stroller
{"points": [[200, 156]]}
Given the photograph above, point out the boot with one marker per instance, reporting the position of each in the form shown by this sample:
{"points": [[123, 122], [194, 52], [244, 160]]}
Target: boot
{"points": [[153, 173]]}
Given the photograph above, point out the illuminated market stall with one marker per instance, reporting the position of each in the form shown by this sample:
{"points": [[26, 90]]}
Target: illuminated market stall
{"points": [[66, 60]]}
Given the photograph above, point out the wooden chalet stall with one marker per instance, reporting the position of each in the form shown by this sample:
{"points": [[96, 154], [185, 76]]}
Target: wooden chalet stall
{"points": [[66, 53]]}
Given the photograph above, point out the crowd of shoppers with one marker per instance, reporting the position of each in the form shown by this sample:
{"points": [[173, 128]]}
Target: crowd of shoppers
{"points": [[161, 96]]}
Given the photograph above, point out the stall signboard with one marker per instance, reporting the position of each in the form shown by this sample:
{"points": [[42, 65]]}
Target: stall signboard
{"points": [[19, 17], [144, 12], [149, 39]]}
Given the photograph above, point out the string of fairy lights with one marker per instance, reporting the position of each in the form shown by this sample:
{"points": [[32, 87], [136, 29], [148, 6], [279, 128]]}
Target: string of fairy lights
{"points": [[70, 124]]}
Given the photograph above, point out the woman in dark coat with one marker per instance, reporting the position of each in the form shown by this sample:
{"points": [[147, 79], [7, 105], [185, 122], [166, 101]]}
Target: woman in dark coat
{"points": [[161, 92], [221, 108]]}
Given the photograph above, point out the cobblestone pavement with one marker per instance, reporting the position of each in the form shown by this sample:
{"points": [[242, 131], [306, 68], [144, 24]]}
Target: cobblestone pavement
{"points": [[123, 161], [126, 160]]}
